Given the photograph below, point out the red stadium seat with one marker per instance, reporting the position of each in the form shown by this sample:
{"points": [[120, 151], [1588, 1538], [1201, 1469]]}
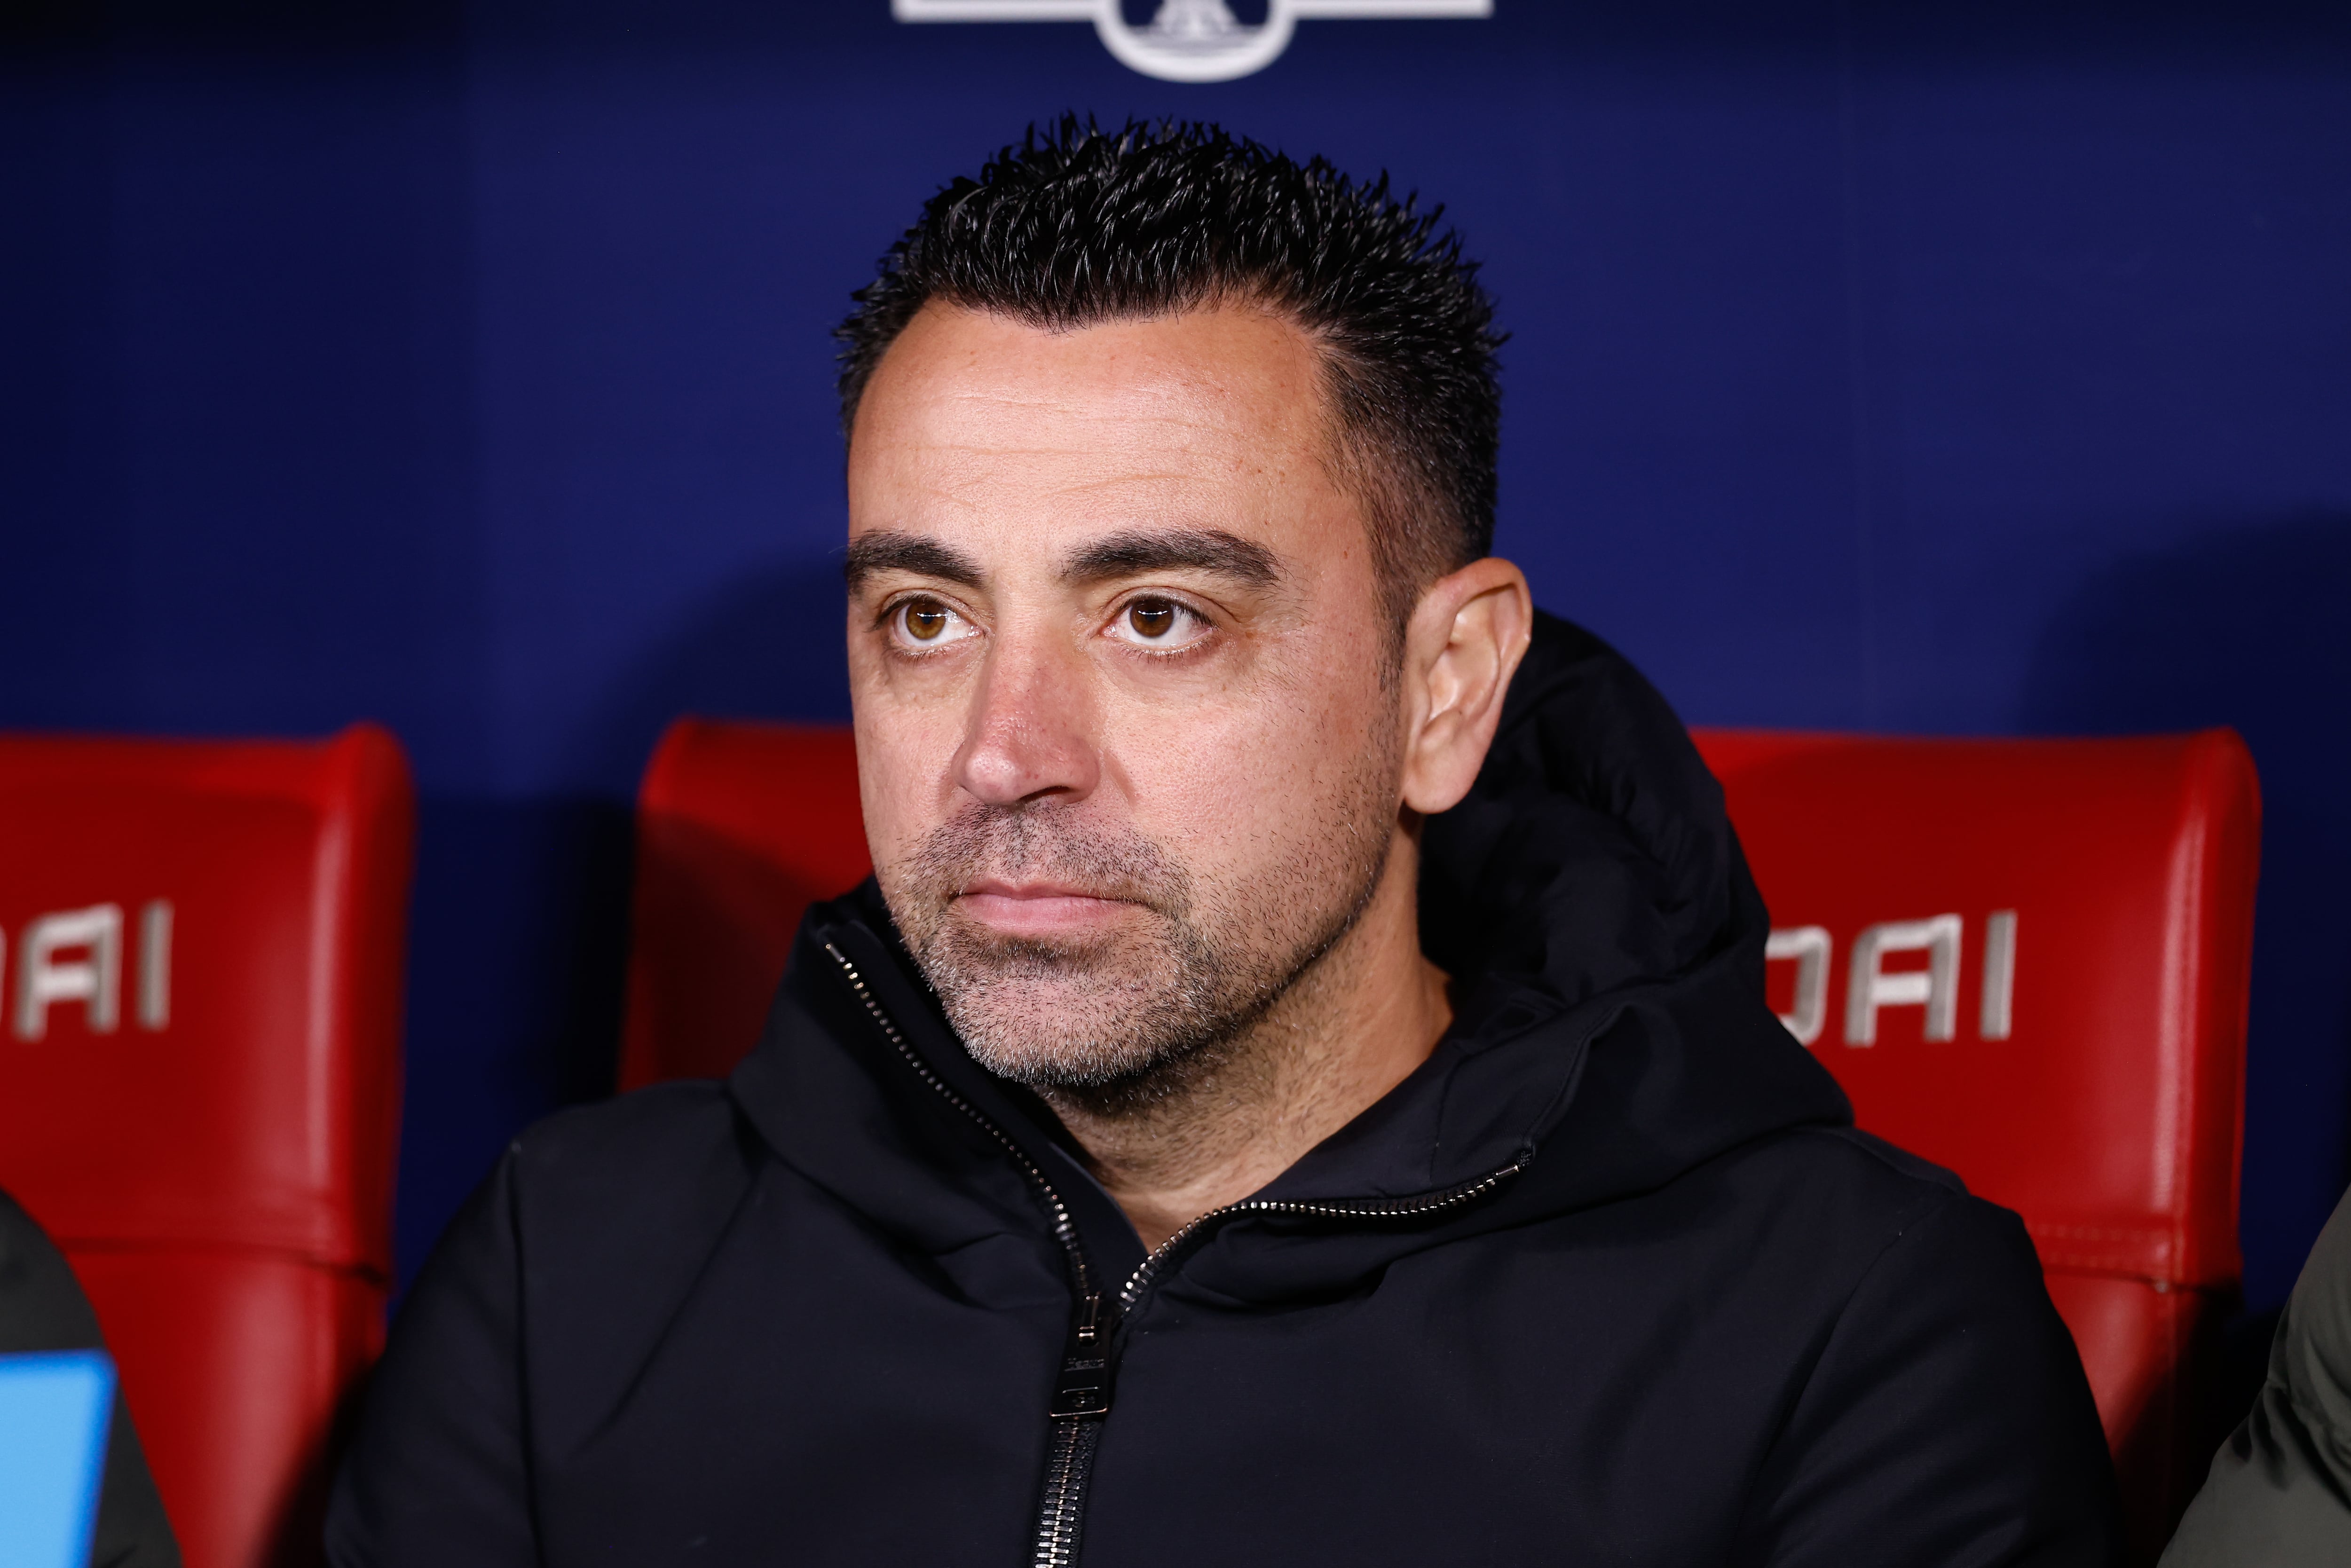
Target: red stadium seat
{"points": [[200, 1089], [2025, 960], [740, 827]]}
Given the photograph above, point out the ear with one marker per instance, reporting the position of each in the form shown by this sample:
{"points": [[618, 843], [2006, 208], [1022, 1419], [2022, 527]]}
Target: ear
{"points": [[1465, 642]]}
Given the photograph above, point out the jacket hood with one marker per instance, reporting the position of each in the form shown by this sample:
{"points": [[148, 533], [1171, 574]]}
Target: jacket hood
{"points": [[1589, 899]]}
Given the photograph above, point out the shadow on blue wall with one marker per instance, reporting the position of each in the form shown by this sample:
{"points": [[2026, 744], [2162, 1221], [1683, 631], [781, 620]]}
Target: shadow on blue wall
{"points": [[768, 645], [518, 929], [521, 915], [2249, 626]]}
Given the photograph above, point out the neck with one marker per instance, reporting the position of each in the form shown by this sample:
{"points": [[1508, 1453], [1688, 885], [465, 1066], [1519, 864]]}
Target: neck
{"points": [[1351, 1029]]}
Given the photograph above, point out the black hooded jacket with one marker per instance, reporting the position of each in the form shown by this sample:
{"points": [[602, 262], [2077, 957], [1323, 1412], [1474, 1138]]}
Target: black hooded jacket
{"points": [[1610, 1279]]}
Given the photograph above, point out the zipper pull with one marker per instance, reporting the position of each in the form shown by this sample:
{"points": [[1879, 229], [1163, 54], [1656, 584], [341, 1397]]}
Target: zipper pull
{"points": [[1083, 1387]]}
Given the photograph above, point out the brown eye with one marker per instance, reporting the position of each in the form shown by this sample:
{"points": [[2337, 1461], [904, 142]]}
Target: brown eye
{"points": [[1151, 618], [926, 619]]}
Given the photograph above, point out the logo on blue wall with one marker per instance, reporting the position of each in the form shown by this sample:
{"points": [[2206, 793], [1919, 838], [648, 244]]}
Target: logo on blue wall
{"points": [[1185, 40]]}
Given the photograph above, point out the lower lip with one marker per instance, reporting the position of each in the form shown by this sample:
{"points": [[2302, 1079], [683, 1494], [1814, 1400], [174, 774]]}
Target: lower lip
{"points": [[1043, 916]]}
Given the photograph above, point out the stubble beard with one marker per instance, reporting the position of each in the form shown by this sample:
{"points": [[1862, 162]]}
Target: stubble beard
{"points": [[1123, 1023]]}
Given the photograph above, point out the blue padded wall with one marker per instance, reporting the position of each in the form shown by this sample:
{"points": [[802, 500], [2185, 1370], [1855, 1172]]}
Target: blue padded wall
{"points": [[1978, 368]]}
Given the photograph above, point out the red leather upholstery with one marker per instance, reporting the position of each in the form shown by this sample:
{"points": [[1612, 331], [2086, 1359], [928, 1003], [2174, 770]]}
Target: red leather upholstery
{"points": [[740, 827], [200, 1089], [2098, 1092], [2108, 1111]]}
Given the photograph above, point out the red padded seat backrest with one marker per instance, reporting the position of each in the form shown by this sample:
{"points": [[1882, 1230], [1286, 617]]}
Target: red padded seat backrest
{"points": [[740, 827], [2052, 940], [200, 1088]]}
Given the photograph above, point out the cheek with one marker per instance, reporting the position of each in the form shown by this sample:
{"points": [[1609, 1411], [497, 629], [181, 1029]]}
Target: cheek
{"points": [[1243, 781], [904, 753]]}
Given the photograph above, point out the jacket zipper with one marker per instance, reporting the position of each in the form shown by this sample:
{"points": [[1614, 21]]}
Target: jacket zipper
{"points": [[1082, 1393], [1351, 1208]]}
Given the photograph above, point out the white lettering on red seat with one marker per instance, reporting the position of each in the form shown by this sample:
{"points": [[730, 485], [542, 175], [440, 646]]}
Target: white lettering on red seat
{"points": [[1935, 988], [1993, 1021], [155, 963], [1871, 986], [75, 956], [1810, 946]]}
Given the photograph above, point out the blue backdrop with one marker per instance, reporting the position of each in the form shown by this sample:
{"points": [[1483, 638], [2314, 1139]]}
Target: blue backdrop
{"points": [[1964, 368]]}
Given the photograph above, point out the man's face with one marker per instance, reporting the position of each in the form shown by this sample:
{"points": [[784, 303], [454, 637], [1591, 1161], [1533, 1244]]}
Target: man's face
{"points": [[1128, 762]]}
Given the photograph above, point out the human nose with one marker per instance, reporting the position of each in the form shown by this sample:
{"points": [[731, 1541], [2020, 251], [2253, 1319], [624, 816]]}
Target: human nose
{"points": [[1029, 735]]}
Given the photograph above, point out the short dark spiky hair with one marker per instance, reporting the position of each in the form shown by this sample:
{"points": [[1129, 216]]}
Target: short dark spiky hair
{"points": [[1077, 226]]}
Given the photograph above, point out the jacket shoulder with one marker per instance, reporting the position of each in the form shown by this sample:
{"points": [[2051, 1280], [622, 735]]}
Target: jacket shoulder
{"points": [[570, 1258], [618, 1140], [1853, 1206], [1849, 1171], [1941, 1357], [1859, 1175], [1905, 1170], [637, 1187]]}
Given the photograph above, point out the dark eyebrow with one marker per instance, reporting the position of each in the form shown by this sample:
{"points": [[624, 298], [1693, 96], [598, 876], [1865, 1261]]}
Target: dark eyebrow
{"points": [[878, 552], [1200, 550]]}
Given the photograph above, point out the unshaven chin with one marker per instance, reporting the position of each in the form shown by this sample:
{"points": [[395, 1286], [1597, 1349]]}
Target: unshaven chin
{"points": [[1133, 1006]]}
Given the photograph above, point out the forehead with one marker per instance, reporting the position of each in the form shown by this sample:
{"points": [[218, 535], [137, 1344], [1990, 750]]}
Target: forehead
{"points": [[988, 419]]}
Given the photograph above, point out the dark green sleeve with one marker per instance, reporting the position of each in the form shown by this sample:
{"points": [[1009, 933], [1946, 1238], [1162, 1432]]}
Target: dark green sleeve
{"points": [[42, 1307], [2280, 1489]]}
